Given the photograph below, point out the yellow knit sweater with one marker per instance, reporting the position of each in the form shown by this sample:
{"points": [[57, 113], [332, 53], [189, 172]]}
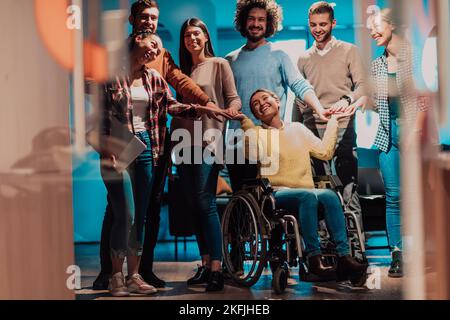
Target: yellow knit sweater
{"points": [[284, 154]]}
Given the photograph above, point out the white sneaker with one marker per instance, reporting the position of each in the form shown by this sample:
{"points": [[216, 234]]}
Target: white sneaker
{"points": [[117, 286], [136, 284]]}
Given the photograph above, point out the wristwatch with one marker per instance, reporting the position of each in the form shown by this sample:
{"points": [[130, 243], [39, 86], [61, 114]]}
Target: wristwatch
{"points": [[349, 100]]}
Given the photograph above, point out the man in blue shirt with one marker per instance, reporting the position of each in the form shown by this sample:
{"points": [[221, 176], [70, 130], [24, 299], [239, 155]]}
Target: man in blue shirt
{"points": [[259, 65]]}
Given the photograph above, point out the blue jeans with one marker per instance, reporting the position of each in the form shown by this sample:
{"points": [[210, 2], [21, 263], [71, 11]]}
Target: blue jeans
{"points": [[306, 203], [390, 170], [129, 193], [200, 183]]}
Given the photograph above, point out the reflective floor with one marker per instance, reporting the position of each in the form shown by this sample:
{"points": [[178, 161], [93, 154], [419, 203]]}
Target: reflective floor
{"points": [[379, 286]]}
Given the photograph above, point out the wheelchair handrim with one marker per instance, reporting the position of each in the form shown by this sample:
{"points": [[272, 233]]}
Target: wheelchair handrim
{"points": [[260, 244]]}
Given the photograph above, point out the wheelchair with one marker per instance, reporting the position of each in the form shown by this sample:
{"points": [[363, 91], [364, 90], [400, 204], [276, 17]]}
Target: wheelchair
{"points": [[256, 233]]}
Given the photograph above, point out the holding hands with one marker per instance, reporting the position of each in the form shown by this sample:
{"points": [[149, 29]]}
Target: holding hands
{"points": [[323, 114], [213, 112], [239, 116], [340, 106], [338, 111], [342, 109], [232, 112]]}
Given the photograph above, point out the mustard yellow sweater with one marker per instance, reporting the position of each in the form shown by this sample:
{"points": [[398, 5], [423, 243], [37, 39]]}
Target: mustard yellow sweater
{"points": [[284, 154]]}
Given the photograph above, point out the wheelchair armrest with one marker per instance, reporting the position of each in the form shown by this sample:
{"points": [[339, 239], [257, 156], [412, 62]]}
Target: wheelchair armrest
{"points": [[329, 181], [223, 200], [264, 183], [372, 197]]}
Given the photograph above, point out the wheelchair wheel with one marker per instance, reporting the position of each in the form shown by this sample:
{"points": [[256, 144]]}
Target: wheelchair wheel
{"points": [[280, 279], [244, 241]]}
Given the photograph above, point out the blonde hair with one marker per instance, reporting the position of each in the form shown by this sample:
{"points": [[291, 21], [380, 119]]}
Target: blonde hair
{"points": [[394, 19], [386, 15]]}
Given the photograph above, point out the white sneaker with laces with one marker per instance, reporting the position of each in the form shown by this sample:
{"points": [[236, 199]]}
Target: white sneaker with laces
{"points": [[117, 286], [136, 284]]}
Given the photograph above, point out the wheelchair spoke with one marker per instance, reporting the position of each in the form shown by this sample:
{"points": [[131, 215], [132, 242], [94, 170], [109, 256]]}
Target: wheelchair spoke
{"points": [[244, 249]]}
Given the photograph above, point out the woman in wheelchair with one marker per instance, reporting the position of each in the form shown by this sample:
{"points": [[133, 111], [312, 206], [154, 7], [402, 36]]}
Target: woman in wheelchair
{"points": [[293, 181]]}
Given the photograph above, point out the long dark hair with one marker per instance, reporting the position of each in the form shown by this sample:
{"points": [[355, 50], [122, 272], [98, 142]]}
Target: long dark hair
{"points": [[185, 56]]}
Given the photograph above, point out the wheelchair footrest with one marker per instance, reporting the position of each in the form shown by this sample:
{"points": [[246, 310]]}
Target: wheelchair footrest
{"points": [[311, 277], [306, 276], [280, 213]]}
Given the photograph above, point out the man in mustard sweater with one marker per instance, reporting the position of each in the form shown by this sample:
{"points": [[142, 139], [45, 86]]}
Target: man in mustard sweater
{"points": [[293, 181]]}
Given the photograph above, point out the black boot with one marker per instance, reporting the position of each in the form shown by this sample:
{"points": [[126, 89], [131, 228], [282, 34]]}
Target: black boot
{"points": [[317, 267], [396, 269], [200, 277], [152, 279], [350, 269], [215, 282], [102, 281]]}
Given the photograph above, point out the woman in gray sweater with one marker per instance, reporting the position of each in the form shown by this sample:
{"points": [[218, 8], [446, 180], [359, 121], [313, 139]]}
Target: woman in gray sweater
{"points": [[203, 155]]}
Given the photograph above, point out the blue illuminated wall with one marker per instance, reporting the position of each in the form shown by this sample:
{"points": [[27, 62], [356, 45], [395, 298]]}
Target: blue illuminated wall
{"points": [[89, 195]]}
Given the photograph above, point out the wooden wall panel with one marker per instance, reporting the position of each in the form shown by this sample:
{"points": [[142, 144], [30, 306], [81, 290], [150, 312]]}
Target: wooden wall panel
{"points": [[36, 224]]}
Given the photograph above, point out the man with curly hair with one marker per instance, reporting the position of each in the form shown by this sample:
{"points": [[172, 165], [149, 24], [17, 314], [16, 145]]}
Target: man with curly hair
{"points": [[336, 71], [259, 65]]}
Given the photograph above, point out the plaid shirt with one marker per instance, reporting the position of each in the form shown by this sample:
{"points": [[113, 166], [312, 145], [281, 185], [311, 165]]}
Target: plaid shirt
{"points": [[118, 103], [411, 103]]}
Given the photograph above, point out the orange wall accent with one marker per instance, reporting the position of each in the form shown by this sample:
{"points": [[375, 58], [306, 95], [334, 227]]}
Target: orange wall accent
{"points": [[51, 18]]}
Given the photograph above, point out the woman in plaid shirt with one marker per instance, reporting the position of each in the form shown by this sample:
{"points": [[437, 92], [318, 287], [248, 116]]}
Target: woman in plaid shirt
{"points": [[396, 101], [140, 102]]}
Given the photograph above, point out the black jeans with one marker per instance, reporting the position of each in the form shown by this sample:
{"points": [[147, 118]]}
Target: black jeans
{"points": [[239, 172], [199, 180], [346, 166], [152, 221]]}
